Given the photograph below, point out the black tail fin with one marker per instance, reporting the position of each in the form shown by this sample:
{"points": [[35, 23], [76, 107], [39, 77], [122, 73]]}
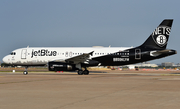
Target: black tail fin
{"points": [[159, 38]]}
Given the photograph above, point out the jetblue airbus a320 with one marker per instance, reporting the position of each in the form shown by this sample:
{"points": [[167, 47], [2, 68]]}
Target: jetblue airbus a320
{"points": [[76, 58]]}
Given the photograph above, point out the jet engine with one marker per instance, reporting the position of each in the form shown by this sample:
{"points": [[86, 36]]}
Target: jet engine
{"points": [[60, 66]]}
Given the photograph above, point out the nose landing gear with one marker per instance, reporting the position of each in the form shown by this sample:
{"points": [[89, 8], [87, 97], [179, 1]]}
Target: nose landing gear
{"points": [[25, 71]]}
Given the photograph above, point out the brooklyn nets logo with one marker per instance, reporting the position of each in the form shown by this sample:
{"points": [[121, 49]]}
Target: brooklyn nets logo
{"points": [[160, 35], [161, 39]]}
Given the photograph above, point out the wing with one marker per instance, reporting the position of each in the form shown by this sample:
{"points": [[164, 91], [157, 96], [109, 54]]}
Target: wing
{"points": [[77, 59]]}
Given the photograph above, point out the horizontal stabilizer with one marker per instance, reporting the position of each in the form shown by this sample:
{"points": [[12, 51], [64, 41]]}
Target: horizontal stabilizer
{"points": [[157, 53]]}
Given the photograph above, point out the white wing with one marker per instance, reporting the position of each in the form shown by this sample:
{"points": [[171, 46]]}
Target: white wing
{"points": [[77, 59]]}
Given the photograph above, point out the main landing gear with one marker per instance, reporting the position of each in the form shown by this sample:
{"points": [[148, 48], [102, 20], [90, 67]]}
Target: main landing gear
{"points": [[25, 71], [81, 72]]}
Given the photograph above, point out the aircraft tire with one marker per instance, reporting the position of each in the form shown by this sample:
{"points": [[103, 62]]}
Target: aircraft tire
{"points": [[25, 72], [80, 72], [86, 72]]}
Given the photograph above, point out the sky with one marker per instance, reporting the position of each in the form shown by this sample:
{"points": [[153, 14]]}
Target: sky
{"points": [[85, 23]]}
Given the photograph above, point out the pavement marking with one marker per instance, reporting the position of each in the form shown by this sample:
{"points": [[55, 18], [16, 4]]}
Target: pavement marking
{"points": [[170, 74]]}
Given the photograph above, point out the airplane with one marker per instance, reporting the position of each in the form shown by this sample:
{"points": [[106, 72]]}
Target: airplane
{"points": [[77, 58]]}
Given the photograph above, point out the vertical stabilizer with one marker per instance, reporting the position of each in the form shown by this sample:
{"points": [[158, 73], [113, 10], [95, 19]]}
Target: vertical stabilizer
{"points": [[159, 38]]}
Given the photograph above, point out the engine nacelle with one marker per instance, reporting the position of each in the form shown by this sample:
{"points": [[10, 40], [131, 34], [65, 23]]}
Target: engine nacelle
{"points": [[60, 66]]}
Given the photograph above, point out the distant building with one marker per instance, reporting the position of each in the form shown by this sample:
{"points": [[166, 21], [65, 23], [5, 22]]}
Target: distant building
{"points": [[178, 64], [167, 64], [144, 64], [147, 65]]}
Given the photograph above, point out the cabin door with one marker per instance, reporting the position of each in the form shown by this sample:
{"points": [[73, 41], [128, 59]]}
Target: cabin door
{"points": [[137, 53], [23, 53]]}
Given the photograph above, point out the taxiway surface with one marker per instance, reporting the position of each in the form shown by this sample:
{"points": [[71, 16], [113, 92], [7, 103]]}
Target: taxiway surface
{"points": [[111, 90]]}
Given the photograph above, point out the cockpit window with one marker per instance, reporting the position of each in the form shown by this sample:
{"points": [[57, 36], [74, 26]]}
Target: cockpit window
{"points": [[13, 53]]}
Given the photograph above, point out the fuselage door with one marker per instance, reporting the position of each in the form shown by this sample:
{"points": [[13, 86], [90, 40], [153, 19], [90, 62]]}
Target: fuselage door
{"points": [[137, 53], [23, 53]]}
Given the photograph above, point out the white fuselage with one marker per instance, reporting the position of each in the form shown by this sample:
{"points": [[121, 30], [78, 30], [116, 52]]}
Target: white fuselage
{"points": [[43, 55]]}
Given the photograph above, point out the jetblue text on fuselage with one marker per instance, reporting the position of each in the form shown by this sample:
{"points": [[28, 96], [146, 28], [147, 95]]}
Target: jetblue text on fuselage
{"points": [[162, 30], [43, 52]]}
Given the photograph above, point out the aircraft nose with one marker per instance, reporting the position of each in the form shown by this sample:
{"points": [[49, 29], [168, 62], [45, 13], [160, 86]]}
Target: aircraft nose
{"points": [[5, 59]]}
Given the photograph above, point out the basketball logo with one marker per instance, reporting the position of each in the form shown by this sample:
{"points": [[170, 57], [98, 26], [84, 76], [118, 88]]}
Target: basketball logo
{"points": [[161, 39], [160, 35]]}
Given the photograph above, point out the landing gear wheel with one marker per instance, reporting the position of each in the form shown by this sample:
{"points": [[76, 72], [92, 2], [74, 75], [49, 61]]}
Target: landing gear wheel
{"points": [[80, 72], [25, 72], [86, 72]]}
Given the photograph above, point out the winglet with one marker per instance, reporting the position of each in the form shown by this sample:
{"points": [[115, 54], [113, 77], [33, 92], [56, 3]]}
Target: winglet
{"points": [[91, 53]]}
